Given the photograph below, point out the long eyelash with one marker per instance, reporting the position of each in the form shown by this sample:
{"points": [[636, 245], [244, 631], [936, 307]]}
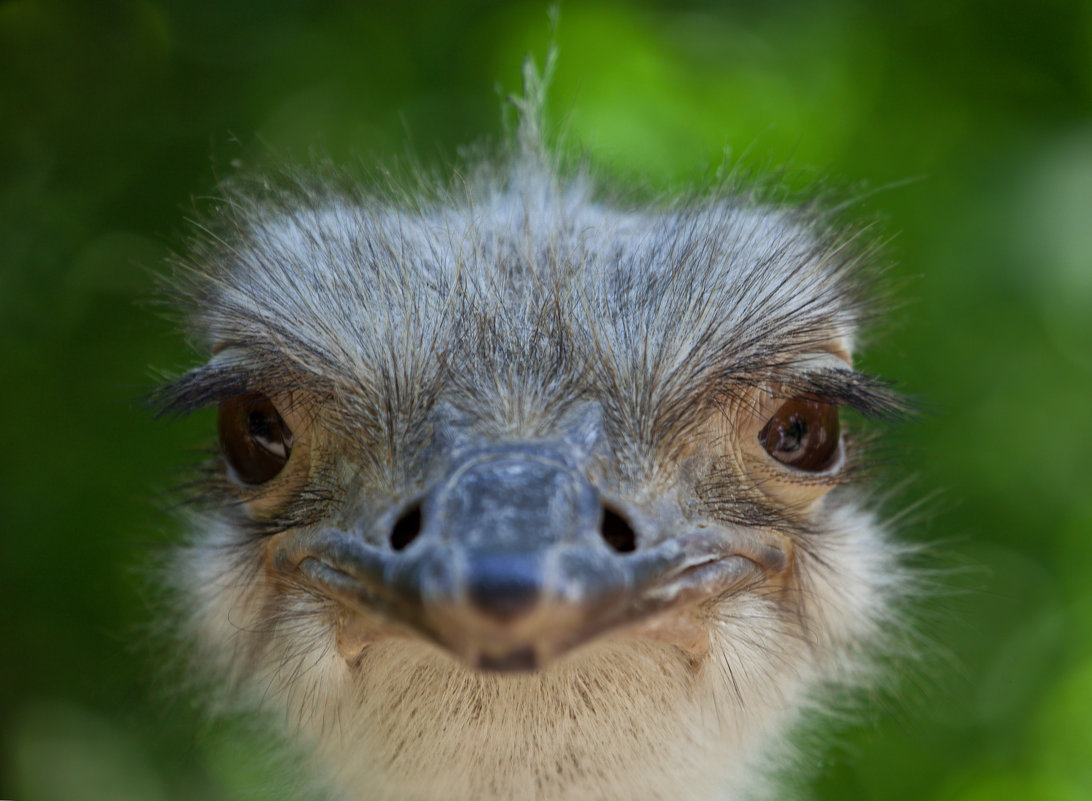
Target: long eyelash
{"points": [[213, 384], [199, 389], [871, 396]]}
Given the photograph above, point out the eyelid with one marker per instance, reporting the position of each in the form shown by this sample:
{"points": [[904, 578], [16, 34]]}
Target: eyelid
{"points": [[818, 362], [793, 381], [229, 357]]}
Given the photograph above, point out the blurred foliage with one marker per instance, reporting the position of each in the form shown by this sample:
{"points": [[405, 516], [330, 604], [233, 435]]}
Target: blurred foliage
{"points": [[970, 120]]}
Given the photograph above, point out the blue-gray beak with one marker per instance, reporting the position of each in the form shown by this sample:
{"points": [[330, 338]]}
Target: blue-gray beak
{"points": [[506, 562]]}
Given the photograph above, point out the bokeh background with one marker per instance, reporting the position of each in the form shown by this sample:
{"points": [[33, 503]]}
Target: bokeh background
{"points": [[965, 126]]}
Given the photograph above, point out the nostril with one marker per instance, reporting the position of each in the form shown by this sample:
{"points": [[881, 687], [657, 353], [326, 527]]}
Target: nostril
{"points": [[407, 528], [617, 532]]}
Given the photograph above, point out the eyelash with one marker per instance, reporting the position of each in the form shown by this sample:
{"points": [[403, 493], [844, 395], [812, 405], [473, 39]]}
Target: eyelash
{"points": [[844, 388]]}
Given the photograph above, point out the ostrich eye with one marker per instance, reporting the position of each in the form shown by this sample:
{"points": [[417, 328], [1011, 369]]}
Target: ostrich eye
{"points": [[802, 434], [255, 440]]}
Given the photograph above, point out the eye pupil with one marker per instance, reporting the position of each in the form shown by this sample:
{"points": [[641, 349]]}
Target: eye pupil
{"points": [[255, 440], [803, 433], [268, 433], [794, 434]]}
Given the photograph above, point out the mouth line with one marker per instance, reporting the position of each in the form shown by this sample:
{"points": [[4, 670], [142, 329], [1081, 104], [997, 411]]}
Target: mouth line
{"points": [[692, 583]]}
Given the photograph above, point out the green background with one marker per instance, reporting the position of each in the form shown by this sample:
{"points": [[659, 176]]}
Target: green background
{"points": [[969, 124]]}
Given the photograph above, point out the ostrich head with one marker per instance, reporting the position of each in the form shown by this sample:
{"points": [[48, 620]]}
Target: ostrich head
{"points": [[523, 494]]}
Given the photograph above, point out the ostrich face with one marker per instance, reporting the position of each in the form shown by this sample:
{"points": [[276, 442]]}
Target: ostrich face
{"points": [[524, 496]]}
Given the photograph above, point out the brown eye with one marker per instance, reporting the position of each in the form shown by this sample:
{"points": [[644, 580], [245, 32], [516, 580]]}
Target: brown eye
{"points": [[802, 434], [255, 440]]}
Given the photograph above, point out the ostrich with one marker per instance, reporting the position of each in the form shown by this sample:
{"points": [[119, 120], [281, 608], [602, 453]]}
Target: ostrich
{"points": [[525, 494]]}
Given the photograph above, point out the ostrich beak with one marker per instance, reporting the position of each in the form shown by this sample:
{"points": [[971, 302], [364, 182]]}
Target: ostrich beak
{"points": [[508, 568]]}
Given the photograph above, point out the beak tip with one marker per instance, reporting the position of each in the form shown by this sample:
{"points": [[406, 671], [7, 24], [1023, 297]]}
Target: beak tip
{"points": [[505, 587], [518, 660]]}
